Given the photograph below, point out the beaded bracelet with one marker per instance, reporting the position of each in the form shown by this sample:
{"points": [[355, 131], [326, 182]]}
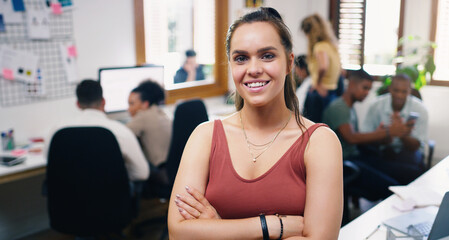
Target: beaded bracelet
{"points": [[282, 226]]}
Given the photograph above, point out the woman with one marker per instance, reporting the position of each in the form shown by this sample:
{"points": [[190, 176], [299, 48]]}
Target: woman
{"points": [[153, 128], [324, 65], [236, 174]]}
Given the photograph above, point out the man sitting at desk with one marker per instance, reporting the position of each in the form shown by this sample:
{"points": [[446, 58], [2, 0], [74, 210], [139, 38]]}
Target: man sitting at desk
{"points": [[90, 100], [403, 155], [341, 117], [190, 70]]}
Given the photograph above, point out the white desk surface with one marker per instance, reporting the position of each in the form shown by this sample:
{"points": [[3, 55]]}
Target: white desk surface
{"points": [[33, 162], [437, 179]]}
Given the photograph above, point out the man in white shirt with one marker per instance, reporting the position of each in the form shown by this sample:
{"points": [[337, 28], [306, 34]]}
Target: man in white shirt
{"points": [[398, 108], [90, 100]]}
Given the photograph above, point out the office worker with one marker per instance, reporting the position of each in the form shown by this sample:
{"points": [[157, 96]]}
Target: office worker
{"points": [[149, 122], [91, 102], [190, 70], [341, 117], [153, 128], [403, 155], [324, 65], [237, 173]]}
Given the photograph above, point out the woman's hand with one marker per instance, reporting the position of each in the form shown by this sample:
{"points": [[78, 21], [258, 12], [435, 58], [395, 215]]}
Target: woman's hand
{"points": [[195, 205], [321, 90]]}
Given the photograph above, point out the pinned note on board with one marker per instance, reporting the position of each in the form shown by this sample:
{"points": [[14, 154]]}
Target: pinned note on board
{"points": [[71, 50], [38, 24], [56, 8], [9, 15], [18, 5], [8, 74], [2, 24]]}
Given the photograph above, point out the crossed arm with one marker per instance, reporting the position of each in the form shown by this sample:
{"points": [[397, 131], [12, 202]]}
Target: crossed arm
{"points": [[192, 217]]}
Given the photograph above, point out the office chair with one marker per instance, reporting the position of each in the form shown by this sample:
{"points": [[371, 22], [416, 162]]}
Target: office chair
{"points": [[350, 174], [188, 115], [88, 186]]}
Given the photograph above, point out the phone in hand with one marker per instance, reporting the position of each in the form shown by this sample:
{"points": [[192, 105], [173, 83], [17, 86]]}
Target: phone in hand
{"points": [[412, 116]]}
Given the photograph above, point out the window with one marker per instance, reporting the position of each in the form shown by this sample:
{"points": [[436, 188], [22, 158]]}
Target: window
{"points": [[166, 29], [368, 33], [440, 35]]}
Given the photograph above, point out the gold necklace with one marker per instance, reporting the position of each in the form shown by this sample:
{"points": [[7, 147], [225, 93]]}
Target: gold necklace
{"points": [[260, 147]]}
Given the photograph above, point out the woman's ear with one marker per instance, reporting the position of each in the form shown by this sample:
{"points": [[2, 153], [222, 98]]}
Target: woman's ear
{"points": [[290, 62]]}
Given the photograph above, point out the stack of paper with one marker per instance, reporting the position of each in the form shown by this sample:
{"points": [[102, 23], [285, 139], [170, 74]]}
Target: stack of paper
{"points": [[420, 196]]}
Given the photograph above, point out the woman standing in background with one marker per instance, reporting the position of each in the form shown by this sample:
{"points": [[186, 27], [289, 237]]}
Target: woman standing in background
{"points": [[324, 66]]}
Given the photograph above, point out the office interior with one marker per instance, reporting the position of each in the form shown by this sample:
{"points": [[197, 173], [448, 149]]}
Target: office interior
{"points": [[104, 32]]}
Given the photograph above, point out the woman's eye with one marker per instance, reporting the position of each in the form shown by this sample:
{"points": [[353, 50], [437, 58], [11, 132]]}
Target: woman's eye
{"points": [[268, 56], [240, 59]]}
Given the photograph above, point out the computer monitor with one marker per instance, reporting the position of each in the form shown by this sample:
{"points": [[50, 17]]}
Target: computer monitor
{"points": [[118, 82]]}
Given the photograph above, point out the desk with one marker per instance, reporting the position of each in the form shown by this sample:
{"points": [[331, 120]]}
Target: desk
{"points": [[437, 179], [33, 165]]}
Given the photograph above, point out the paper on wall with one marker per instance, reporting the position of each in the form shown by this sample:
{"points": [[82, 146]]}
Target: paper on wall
{"points": [[38, 24], [69, 62], [9, 15], [22, 64]]}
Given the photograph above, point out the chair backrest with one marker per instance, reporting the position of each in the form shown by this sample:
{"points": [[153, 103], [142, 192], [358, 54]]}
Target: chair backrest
{"points": [[188, 115], [88, 186]]}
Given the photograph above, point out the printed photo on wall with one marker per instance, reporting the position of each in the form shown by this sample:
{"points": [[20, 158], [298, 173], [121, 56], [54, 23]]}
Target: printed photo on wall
{"points": [[253, 3], [38, 23]]}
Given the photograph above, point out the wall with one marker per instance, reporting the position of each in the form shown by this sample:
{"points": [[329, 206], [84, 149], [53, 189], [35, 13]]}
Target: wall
{"points": [[104, 37]]}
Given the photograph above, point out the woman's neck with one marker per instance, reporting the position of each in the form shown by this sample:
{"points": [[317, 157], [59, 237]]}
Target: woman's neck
{"points": [[271, 116]]}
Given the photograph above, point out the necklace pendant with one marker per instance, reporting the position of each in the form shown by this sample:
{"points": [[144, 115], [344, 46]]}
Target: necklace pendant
{"points": [[254, 160]]}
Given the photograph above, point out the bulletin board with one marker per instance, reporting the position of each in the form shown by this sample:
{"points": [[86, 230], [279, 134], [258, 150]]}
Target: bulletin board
{"points": [[53, 82]]}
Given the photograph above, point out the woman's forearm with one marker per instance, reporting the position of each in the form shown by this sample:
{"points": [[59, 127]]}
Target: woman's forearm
{"points": [[248, 228]]}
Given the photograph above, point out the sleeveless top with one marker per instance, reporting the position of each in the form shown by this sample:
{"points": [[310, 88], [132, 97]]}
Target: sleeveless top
{"points": [[282, 189]]}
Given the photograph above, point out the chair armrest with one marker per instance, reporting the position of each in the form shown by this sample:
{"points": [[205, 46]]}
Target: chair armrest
{"points": [[350, 171], [431, 148]]}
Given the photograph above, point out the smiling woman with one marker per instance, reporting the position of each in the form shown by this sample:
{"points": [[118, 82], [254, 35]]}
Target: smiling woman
{"points": [[181, 34]]}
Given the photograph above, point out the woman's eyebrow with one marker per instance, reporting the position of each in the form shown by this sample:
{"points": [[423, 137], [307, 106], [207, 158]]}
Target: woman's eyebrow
{"points": [[259, 51], [266, 49]]}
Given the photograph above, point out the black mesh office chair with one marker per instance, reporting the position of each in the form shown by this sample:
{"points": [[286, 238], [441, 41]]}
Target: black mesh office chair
{"points": [[88, 186]]}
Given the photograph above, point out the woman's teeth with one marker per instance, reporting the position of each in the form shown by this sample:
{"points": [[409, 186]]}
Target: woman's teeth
{"points": [[256, 84]]}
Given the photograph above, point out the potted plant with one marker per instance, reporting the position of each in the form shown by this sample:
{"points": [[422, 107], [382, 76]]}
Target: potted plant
{"points": [[416, 62]]}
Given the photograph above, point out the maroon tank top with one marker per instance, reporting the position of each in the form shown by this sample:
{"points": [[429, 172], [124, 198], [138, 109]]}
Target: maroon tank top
{"points": [[282, 189]]}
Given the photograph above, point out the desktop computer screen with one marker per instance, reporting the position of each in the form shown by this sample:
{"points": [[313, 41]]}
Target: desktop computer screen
{"points": [[118, 82]]}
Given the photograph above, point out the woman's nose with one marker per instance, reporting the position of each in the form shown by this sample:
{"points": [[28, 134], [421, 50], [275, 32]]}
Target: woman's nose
{"points": [[254, 68]]}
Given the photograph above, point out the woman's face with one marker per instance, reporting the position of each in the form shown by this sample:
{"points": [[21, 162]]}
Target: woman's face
{"points": [[134, 103], [258, 63]]}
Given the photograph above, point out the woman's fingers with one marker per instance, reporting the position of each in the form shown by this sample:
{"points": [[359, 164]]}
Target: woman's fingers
{"points": [[190, 205], [198, 196], [185, 214]]}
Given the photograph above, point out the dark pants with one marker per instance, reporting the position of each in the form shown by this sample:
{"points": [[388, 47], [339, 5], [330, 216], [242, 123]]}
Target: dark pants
{"points": [[157, 184], [315, 104], [404, 166], [371, 184]]}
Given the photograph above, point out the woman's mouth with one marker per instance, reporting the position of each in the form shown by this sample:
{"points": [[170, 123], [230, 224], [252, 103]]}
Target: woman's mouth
{"points": [[256, 84]]}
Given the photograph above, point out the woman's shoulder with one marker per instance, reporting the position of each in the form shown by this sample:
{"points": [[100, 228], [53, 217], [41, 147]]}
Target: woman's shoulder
{"points": [[320, 130]]}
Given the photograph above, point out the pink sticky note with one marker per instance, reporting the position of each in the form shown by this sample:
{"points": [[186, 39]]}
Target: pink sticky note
{"points": [[8, 74], [72, 51], [56, 8]]}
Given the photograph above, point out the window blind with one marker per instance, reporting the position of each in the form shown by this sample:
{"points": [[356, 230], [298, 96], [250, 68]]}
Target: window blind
{"points": [[351, 24]]}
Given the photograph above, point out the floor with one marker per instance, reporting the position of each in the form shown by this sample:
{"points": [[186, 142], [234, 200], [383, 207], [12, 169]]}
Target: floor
{"points": [[153, 209]]}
